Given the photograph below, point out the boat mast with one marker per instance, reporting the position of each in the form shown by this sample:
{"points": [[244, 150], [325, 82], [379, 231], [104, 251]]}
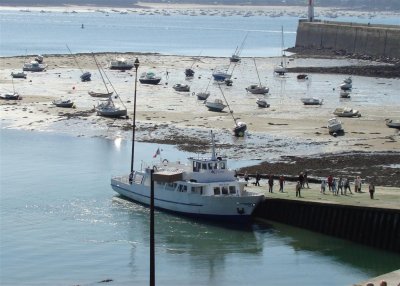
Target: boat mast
{"points": [[259, 80], [283, 62], [213, 156], [74, 58], [99, 68], [227, 104]]}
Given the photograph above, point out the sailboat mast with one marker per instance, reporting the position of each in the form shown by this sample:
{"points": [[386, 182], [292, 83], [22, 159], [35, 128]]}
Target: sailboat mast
{"points": [[259, 80], [74, 59], [227, 104], [98, 67]]}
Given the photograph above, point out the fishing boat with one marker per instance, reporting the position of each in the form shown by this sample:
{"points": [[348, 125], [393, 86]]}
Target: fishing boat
{"points": [[85, 76], [262, 102], [181, 87], [65, 103], [108, 108], [39, 59], [149, 78], [393, 123], [34, 66], [216, 105], [204, 188], [334, 126], [121, 64], [346, 112], [311, 101], [18, 74], [281, 68]]}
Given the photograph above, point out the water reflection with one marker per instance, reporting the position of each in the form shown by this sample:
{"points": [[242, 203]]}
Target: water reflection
{"points": [[344, 252]]}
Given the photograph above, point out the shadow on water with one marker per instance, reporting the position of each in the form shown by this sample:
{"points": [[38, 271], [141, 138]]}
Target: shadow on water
{"points": [[344, 252]]}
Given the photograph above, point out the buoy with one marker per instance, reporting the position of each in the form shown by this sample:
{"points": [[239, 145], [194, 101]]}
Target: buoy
{"points": [[73, 87]]}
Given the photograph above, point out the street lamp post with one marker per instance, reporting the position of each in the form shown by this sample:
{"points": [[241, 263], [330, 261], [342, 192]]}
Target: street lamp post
{"points": [[136, 65]]}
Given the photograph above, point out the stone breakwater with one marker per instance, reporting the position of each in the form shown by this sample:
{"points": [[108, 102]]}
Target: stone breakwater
{"points": [[350, 38]]}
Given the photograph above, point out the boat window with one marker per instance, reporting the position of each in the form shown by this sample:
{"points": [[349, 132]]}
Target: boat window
{"points": [[197, 190], [196, 166], [224, 190], [182, 188], [222, 165], [138, 179], [210, 166], [217, 191], [232, 190], [204, 166]]}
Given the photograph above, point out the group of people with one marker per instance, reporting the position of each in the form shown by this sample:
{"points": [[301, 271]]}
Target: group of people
{"points": [[332, 184], [335, 185], [270, 181]]}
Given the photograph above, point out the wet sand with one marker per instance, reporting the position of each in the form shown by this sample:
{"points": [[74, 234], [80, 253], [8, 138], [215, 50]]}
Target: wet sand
{"points": [[166, 116]]}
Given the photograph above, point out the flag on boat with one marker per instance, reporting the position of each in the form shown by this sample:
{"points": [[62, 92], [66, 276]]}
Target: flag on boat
{"points": [[157, 153]]}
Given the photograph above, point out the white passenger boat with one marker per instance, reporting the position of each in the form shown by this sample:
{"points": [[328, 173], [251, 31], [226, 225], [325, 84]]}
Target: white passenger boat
{"points": [[203, 188], [34, 66]]}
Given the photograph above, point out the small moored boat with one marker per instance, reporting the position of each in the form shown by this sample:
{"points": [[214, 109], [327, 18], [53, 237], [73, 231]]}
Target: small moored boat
{"points": [[311, 101], [149, 78], [63, 103], [257, 89], [10, 96], [216, 105], [18, 74], [346, 112], [107, 108], [262, 102], [202, 95], [121, 64], [100, 94], [344, 94], [181, 87], [334, 126], [34, 66], [393, 123]]}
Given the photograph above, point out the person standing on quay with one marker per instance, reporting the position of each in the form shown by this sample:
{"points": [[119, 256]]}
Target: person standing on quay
{"points": [[330, 180], [270, 183], [347, 186], [334, 189], [246, 177], [301, 179], [281, 183], [298, 189], [323, 186], [306, 180], [258, 178], [371, 188], [357, 185], [340, 185]]}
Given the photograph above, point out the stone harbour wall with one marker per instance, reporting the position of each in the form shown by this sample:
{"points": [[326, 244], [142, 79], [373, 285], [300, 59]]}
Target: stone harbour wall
{"points": [[372, 40]]}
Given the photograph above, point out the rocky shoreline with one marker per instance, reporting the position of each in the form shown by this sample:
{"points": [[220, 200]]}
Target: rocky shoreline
{"points": [[379, 67]]}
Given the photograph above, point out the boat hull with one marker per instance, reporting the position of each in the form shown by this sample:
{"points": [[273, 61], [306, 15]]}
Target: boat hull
{"points": [[112, 113], [150, 81], [221, 208]]}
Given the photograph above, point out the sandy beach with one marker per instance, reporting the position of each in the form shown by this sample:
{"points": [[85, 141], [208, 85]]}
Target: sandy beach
{"points": [[166, 116]]}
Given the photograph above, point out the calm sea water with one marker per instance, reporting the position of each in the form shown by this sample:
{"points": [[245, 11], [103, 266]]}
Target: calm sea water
{"points": [[61, 224], [47, 33]]}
